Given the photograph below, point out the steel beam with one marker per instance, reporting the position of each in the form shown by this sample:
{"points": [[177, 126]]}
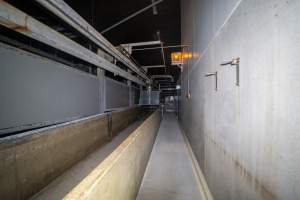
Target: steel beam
{"points": [[163, 47], [146, 67], [18, 21], [153, 66], [156, 42], [68, 15], [162, 76]]}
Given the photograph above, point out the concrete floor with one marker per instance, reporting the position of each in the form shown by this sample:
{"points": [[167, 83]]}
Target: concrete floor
{"points": [[170, 174]]}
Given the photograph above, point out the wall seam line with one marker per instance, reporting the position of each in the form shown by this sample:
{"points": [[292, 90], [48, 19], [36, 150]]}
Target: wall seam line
{"points": [[216, 35]]}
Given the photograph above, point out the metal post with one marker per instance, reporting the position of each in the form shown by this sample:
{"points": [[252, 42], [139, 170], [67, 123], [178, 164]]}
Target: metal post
{"points": [[130, 93], [109, 126], [101, 77]]}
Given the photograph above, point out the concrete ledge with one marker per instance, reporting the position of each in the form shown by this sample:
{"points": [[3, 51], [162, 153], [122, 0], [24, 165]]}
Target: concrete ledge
{"points": [[124, 118], [119, 175], [30, 161]]}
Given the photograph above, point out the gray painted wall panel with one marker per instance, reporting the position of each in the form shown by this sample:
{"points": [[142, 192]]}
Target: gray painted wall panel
{"points": [[117, 94], [246, 138], [38, 91]]}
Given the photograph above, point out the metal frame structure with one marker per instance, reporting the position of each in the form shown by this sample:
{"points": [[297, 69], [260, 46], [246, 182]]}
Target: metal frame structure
{"points": [[146, 67], [19, 21], [128, 47], [68, 15]]}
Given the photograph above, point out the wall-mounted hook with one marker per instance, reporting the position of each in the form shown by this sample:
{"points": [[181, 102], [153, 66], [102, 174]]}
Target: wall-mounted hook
{"points": [[234, 62], [216, 78]]}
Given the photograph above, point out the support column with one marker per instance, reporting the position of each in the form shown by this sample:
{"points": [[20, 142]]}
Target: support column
{"points": [[102, 89], [130, 93]]}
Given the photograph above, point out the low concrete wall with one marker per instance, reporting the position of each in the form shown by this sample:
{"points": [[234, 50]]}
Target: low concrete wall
{"points": [[29, 161], [124, 118], [119, 175]]}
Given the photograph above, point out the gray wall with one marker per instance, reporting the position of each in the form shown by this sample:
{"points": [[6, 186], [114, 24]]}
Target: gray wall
{"points": [[36, 91], [117, 94], [246, 138]]}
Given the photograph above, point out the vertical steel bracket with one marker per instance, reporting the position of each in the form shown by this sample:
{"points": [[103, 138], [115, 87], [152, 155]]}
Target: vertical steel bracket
{"points": [[109, 127], [216, 78], [234, 62]]}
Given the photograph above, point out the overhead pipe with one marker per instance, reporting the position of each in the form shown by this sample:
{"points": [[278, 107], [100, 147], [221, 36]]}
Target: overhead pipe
{"points": [[131, 16]]}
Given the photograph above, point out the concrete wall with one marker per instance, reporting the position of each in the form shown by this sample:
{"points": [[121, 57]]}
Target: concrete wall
{"points": [[246, 138], [124, 118], [31, 160], [36, 91], [119, 176]]}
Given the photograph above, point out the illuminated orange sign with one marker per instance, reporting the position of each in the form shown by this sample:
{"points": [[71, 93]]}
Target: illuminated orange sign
{"points": [[179, 57]]}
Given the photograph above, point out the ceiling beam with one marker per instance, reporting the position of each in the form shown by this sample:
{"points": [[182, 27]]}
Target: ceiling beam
{"points": [[68, 15], [156, 42], [162, 77], [146, 67], [19, 21]]}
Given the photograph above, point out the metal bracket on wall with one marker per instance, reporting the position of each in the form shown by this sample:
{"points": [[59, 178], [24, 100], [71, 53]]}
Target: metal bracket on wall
{"points": [[216, 78], [234, 62], [109, 126]]}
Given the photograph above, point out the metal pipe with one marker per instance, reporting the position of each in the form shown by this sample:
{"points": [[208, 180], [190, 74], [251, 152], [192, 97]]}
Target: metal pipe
{"points": [[164, 47], [18, 21], [68, 15], [131, 16], [163, 56], [109, 127], [234, 62], [215, 74]]}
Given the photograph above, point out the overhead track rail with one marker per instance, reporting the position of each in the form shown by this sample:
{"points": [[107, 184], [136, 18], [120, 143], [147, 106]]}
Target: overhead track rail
{"points": [[68, 15], [18, 21]]}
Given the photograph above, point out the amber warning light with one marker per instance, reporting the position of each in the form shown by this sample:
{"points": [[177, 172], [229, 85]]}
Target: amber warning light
{"points": [[179, 57]]}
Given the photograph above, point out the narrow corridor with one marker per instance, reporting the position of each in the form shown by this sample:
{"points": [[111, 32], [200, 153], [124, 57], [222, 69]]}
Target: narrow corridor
{"points": [[170, 174]]}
